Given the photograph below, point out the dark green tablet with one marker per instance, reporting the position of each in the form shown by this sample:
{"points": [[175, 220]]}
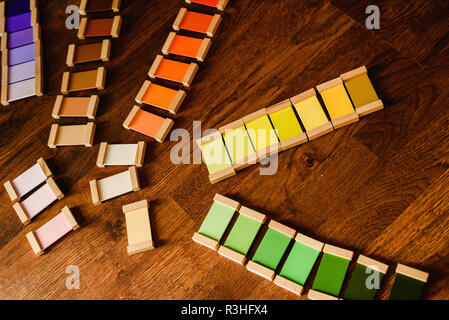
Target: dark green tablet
{"points": [[409, 283], [366, 279]]}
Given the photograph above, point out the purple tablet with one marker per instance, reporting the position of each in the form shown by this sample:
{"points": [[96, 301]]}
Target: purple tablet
{"points": [[21, 54], [20, 38], [22, 72], [16, 7], [17, 23]]}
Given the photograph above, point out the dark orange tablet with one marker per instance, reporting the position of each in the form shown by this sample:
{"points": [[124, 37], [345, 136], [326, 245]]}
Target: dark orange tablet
{"points": [[173, 70], [160, 96], [186, 46], [148, 124], [197, 22], [219, 4], [107, 27]]}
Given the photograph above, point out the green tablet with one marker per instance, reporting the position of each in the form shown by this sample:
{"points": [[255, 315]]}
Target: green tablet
{"points": [[271, 250], [299, 264], [332, 270]]}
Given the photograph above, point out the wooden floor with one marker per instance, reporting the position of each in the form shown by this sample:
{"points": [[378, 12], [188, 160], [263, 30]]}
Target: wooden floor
{"points": [[379, 187]]}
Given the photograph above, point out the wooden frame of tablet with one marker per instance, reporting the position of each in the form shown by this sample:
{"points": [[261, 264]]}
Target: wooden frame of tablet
{"points": [[89, 104], [106, 147], [71, 135]]}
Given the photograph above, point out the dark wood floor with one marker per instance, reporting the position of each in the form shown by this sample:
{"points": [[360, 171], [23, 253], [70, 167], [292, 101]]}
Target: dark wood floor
{"points": [[379, 187]]}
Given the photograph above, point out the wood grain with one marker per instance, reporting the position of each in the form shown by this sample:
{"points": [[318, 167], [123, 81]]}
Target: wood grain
{"points": [[378, 187]]}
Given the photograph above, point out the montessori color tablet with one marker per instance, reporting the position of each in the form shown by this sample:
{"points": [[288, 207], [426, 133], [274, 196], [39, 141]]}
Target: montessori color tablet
{"points": [[82, 53], [114, 186], [331, 273], [186, 46], [71, 135], [28, 180], [138, 227], [131, 154], [160, 96], [173, 70], [76, 107], [408, 284], [299, 263], [52, 231], [271, 249], [242, 235], [148, 124], [197, 22], [216, 222], [38, 201], [216, 157], [286, 125], [103, 27]]}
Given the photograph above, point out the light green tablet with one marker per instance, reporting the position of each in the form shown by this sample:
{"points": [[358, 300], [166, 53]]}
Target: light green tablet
{"points": [[216, 222], [242, 235]]}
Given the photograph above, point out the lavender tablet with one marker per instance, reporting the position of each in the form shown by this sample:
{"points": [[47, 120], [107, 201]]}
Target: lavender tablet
{"points": [[22, 72], [21, 54], [20, 38], [17, 23]]}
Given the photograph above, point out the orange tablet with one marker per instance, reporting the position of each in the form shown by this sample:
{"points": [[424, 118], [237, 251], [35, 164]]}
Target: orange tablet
{"points": [[173, 70], [160, 96], [219, 4], [148, 124], [197, 22], [186, 46]]}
